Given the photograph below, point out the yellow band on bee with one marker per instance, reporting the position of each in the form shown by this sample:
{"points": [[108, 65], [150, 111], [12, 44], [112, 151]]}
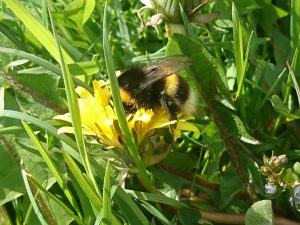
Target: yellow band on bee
{"points": [[126, 97], [171, 85]]}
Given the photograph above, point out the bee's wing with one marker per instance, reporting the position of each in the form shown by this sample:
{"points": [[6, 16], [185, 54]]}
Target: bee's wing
{"points": [[163, 68]]}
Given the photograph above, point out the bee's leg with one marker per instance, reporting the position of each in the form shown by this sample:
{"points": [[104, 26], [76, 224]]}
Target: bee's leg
{"points": [[167, 104]]}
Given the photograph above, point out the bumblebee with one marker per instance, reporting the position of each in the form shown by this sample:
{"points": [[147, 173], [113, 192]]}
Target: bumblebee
{"points": [[157, 85]]}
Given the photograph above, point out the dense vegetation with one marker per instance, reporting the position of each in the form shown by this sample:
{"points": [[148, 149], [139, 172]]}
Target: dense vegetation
{"points": [[70, 155]]}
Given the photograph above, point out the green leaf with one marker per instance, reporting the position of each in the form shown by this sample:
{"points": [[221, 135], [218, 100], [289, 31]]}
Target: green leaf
{"points": [[230, 185], [260, 213], [35, 27], [189, 216], [80, 11], [296, 168], [94, 198], [107, 215], [43, 63], [282, 109], [52, 167], [205, 68], [130, 210], [39, 95], [235, 125], [88, 10], [58, 202], [11, 184], [84, 68], [74, 111], [238, 49], [156, 213], [159, 198], [32, 199], [34, 164], [119, 109]]}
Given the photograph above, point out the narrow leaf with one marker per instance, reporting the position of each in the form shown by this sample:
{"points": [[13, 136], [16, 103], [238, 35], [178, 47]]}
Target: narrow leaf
{"points": [[107, 216], [32, 200], [59, 177], [41, 33]]}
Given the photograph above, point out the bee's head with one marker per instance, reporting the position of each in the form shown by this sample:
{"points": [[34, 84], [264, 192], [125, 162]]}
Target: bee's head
{"points": [[131, 79]]}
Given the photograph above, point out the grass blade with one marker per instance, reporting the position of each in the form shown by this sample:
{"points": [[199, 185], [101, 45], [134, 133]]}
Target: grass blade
{"points": [[295, 32], [30, 195], [239, 59], [43, 125], [156, 213], [124, 33], [119, 108], [107, 215], [124, 201], [43, 63], [293, 76], [36, 28], [238, 48], [59, 202], [295, 26], [59, 177], [74, 110], [94, 198]]}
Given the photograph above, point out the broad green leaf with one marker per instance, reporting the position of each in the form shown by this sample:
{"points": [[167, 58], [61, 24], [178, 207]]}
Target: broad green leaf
{"points": [[260, 213], [235, 125], [216, 147], [39, 95], [269, 13], [33, 163], [206, 71], [36, 28], [230, 185], [179, 160], [11, 184], [189, 216], [296, 168]]}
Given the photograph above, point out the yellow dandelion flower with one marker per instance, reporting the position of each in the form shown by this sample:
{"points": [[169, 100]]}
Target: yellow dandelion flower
{"points": [[99, 119]]}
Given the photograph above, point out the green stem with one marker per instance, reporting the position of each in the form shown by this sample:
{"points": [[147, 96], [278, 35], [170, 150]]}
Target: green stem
{"points": [[129, 139]]}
